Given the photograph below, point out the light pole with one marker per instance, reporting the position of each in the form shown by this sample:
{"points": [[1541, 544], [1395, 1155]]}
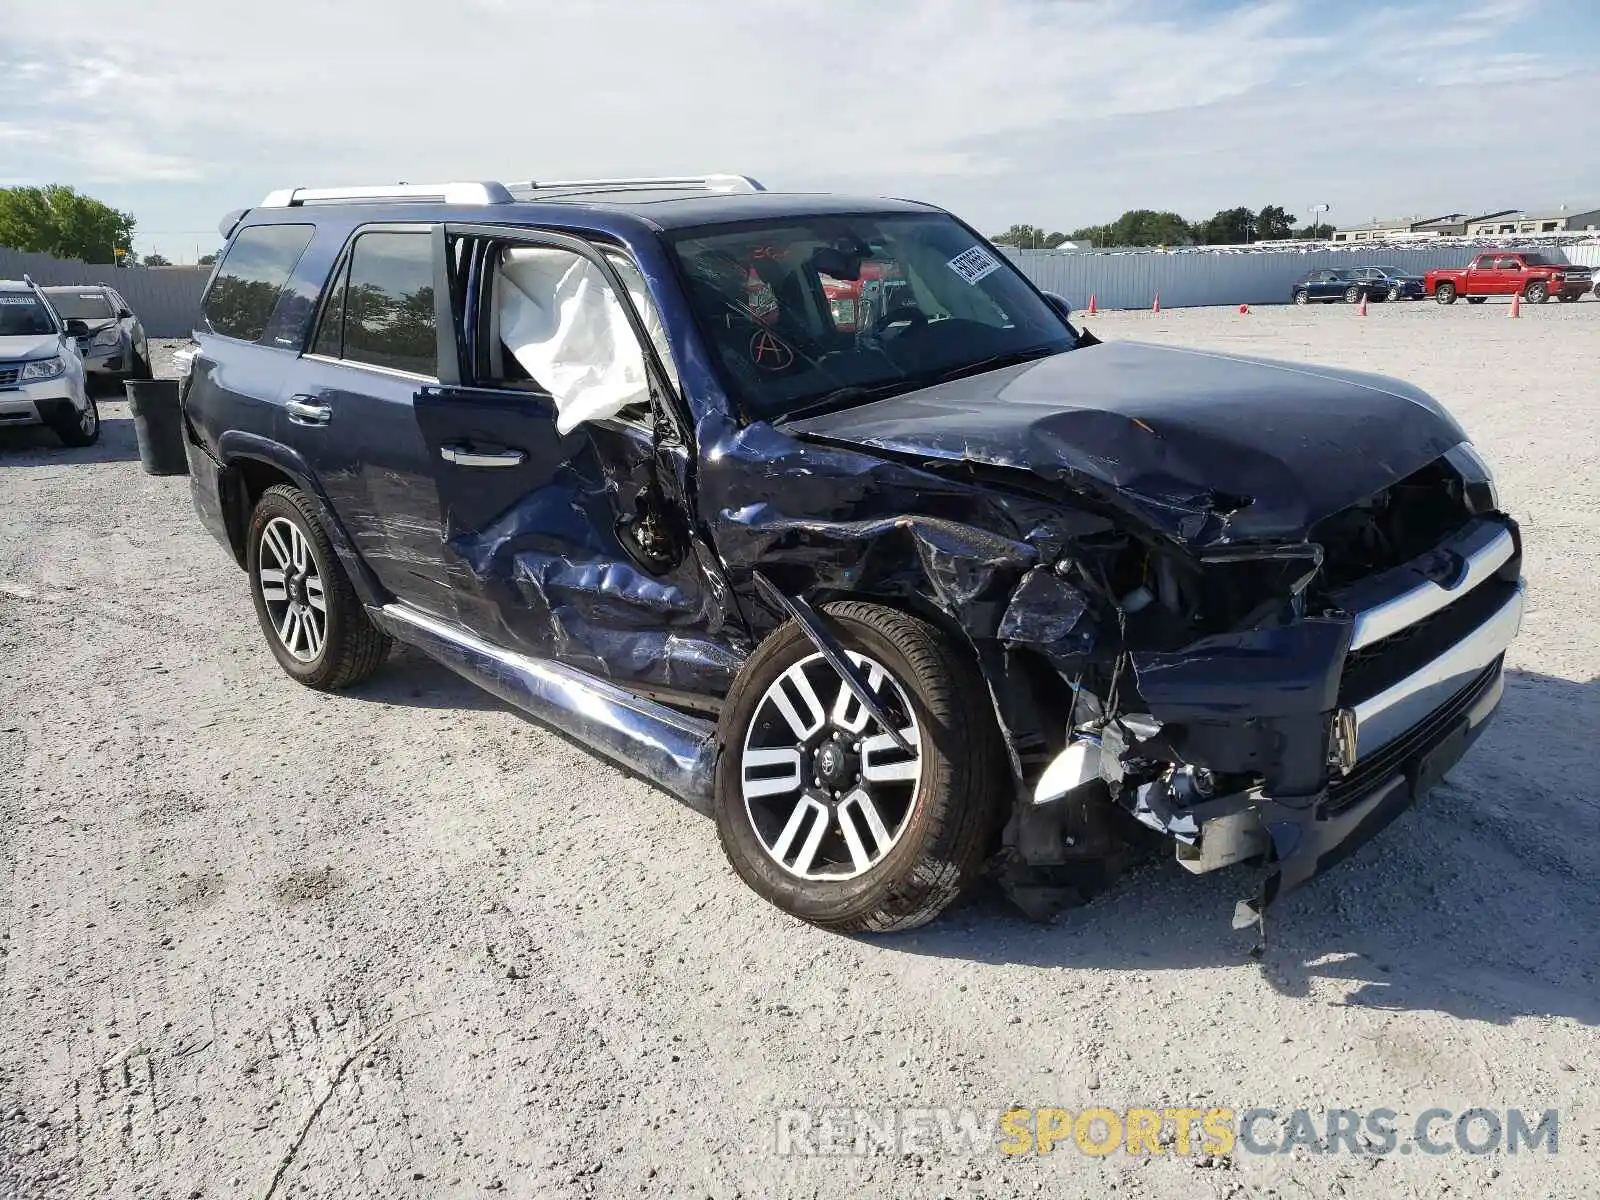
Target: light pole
{"points": [[1318, 211]]}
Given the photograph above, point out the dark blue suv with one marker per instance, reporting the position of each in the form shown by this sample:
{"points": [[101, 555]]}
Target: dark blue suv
{"points": [[815, 512]]}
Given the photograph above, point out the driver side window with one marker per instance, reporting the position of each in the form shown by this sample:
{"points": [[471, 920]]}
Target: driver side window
{"points": [[550, 322]]}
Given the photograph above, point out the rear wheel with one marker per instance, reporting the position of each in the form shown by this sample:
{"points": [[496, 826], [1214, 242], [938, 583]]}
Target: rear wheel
{"points": [[1536, 292], [821, 812], [1445, 293], [312, 618]]}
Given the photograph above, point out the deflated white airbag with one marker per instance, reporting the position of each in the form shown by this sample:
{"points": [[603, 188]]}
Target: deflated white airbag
{"points": [[565, 325]]}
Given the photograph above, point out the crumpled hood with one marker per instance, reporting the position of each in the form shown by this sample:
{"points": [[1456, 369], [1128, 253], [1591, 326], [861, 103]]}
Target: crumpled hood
{"points": [[31, 345], [1175, 437]]}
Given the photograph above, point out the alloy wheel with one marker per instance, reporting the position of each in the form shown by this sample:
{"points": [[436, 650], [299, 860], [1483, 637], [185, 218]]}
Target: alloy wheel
{"points": [[827, 797], [292, 588]]}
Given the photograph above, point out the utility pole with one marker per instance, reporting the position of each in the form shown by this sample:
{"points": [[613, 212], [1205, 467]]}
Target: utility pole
{"points": [[1317, 212]]}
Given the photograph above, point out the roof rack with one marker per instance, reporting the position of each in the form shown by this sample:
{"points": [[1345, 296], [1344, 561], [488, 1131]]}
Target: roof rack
{"points": [[489, 191], [483, 192], [660, 183]]}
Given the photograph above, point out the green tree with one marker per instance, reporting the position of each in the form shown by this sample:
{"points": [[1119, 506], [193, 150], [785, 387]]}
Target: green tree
{"points": [[1029, 237], [1230, 227], [1139, 227], [1314, 232], [58, 220], [208, 260], [152, 260], [1273, 222]]}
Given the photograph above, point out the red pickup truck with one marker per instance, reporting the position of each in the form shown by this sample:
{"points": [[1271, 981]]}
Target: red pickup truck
{"points": [[1536, 277]]}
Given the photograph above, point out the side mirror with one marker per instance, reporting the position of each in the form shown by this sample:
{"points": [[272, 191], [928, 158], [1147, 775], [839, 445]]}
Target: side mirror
{"points": [[123, 314], [1059, 303], [77, 328]]}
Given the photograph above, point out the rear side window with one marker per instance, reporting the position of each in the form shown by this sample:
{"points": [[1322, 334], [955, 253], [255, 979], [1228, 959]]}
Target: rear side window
{"points": [[387, 305], [251, 279]]}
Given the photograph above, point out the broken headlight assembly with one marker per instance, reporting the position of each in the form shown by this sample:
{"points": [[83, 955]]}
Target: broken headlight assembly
{"points": [[1477, 480], [1171, 599]]}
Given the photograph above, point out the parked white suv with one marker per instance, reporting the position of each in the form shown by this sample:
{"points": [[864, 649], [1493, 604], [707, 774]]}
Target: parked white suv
{"points": [[42, 380]]}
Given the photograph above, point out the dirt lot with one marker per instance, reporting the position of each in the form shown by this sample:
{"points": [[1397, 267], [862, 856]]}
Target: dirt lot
{"points": [[401, 942]]}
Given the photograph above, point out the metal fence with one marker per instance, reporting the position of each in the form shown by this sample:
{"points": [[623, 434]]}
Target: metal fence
{"points": [[167, 299], [1183, 279]]}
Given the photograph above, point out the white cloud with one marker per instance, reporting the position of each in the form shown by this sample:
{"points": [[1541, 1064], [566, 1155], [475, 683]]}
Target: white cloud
{"points": [[946, 97]]}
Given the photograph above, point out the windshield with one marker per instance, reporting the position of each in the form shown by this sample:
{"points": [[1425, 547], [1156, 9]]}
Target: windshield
{"points": [[815, 311], [21, 315], [82, 306]]}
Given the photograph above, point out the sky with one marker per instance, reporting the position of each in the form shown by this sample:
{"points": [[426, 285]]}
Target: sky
{"points": [[1059, 113]]}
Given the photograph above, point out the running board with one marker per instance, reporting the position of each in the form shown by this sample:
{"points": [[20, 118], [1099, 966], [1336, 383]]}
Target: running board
{"points": [[673, 750]]}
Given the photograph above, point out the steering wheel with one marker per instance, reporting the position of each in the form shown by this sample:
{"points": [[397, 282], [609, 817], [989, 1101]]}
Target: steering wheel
{"points": [[901, 312]]}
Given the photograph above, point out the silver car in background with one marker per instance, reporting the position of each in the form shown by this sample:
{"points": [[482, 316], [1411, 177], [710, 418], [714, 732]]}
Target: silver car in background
{"points": [[116, 346]]}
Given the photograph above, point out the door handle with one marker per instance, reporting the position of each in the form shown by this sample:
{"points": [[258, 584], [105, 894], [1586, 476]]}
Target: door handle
{"points": [[303, 410], [465, 456]]}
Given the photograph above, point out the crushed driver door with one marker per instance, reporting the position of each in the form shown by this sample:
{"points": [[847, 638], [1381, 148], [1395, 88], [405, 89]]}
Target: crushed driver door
{"points": [[572, 546]]}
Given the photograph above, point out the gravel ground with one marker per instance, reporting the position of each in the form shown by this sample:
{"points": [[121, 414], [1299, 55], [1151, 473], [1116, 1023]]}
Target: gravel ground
{"points": [[401, 942]]}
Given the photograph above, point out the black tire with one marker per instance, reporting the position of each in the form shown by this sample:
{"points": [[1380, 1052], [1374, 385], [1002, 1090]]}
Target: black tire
{"points": [[1536, 292], [1352, 294], [1568, 297], [78, 429], [352, 647], [1393, 293], [1445, 293], [1477, 299], [952, 815]]}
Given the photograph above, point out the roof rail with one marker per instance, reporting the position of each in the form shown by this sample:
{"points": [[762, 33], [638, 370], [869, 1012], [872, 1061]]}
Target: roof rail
{"points": [[484, 192], [667, 183]]}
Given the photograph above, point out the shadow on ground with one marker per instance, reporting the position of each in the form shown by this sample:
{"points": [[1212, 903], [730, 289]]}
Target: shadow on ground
{"points": [[1481, 901], [37, 446], [410, 679]]}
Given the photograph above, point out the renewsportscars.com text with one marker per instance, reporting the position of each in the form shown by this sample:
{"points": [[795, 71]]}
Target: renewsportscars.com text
{"points": [[1181, 1132]]}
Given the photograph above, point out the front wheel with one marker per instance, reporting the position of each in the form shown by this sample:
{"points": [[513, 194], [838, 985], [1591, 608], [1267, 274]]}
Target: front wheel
{"points": [[1536, 293], [1352, 294], [79, 429], [1445, 293], [312, 618], [1301, 297], [1394, 291], [821, 812]]}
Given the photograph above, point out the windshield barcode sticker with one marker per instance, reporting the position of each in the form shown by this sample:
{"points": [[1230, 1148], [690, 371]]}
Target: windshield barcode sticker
{"points": [[973, 265], [29, 300]]}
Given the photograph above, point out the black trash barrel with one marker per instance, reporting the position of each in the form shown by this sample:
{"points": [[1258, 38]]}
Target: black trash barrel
{"points": [[158, 424]]}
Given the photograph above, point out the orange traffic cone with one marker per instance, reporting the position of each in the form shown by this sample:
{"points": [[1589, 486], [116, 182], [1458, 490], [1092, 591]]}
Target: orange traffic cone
{"points": [[1244, 308], [1516, 304], [1363, 304], [1093, 308], [1156, 307]]}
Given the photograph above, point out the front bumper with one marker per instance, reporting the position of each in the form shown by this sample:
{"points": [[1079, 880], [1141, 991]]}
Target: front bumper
{"points": [[1348, 720], [36, 403]]}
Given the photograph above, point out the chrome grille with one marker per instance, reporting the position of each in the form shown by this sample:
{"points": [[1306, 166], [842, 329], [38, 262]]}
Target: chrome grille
{"points": [[8, 376]]}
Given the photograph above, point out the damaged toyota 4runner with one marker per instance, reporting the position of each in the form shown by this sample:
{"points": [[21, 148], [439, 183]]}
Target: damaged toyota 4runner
{"points": [[900, 590]]}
